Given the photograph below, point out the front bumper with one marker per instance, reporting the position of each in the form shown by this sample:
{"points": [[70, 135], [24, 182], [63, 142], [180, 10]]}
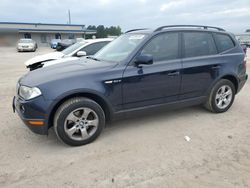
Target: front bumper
{"points": [[31, 114]]}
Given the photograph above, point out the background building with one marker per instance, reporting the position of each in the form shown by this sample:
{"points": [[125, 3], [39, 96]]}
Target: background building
{"points": [[42, 33]]}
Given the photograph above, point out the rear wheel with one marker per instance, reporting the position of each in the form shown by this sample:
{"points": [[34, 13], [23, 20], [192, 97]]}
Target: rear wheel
{"points": [[221, 96], [79, 121]]}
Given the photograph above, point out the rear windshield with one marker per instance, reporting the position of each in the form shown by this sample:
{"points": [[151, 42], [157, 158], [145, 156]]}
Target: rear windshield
{"points": [[25, 41]]}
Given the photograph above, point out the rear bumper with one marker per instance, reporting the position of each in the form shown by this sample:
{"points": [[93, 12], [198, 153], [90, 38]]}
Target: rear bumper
{"points": [[25, 49], [24, 109], [242, 81]]}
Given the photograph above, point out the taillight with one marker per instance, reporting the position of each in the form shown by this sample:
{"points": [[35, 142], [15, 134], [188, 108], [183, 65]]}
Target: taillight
{"points": [[245, 61], [245, 50]]}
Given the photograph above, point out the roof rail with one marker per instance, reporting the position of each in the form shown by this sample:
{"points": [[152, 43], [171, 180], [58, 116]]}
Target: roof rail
{"points": [[202, 26], [135, 30]]}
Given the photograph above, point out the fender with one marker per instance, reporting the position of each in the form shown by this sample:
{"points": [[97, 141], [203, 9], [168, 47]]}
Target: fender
{"points": [[77, 92], [207, 93]]}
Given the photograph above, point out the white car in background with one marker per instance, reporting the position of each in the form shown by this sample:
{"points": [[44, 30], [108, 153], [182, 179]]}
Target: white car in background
{"points": [[26, 45], [84, 48]]}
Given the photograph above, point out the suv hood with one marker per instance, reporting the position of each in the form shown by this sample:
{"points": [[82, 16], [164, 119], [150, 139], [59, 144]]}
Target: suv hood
{"points": [[71, 70], [45, 57]]}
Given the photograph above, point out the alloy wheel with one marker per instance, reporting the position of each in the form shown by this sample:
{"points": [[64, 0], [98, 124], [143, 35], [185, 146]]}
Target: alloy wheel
{"points": [[223, 97], [81, 124]]}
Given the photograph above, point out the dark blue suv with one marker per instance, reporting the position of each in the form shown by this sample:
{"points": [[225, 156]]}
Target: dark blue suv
{"points": [[171, 66]]}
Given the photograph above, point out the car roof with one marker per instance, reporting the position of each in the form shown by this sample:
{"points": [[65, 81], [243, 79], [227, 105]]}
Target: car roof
{"points": [[177, 28]]}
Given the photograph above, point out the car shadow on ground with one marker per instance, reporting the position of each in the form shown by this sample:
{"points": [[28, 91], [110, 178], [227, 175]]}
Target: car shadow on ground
{"points": [[139, 119], [158, 115]]}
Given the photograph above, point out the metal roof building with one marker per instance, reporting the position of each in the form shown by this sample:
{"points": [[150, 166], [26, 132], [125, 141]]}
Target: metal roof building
{"points": [[42, 33]]}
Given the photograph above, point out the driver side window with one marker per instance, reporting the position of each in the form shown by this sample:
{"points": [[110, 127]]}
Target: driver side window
{"points": [[163, 47]]}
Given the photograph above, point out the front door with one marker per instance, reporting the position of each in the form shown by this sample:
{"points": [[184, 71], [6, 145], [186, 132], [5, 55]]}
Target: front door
{"points": [[157, 83]]}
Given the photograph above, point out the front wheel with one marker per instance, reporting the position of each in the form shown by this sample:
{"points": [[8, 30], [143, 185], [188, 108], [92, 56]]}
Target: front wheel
{"points": [[221, 96], [79, 121]]}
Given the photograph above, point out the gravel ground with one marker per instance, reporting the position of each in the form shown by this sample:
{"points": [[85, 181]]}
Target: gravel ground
{"points": [[138, 152]]}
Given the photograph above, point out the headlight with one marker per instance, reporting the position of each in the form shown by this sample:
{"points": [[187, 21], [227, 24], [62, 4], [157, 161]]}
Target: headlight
{"points": [[29, 92]]}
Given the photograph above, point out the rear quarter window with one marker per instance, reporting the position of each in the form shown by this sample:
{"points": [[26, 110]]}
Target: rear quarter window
{"points": [[224, 42]]}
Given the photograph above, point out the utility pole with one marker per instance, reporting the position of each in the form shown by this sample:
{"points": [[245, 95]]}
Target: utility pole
{"points": [[69, 16]]}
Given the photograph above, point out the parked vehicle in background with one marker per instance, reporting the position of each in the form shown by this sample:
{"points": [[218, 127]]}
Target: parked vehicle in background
{"points": [[86, 47], [245, 40], [65, 43], [26, 45], [79, 39], [172, 66], [54, 42]]}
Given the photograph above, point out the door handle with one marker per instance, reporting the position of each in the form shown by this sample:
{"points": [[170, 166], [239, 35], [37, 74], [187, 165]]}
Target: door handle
{"points": [[174, 73], [216, 67]]}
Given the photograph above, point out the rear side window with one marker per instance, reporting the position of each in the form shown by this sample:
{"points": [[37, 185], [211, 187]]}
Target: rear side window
{"points": [[163, 47], [198, 44], [224, 42]]}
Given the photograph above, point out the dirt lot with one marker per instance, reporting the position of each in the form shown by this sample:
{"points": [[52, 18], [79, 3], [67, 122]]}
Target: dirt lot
{"points": [[140, 152]]}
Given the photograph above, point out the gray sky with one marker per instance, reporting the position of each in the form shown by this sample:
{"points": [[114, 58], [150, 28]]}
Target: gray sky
{"points": [[233, 15]]}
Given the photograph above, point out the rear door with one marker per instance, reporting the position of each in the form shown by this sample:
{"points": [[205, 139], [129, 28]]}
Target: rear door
{"points": [[200, 63]]}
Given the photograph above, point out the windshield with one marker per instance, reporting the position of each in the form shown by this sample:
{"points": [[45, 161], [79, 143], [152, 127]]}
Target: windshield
{"points": [[73, 47], [25, 41], [120, 48]]}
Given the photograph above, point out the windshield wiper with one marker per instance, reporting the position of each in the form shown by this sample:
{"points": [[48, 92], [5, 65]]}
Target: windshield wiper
{"points": [[91, 57]]}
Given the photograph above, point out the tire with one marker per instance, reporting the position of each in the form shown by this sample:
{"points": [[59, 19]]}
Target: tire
{"points": [[69, 125], [215, 97]]}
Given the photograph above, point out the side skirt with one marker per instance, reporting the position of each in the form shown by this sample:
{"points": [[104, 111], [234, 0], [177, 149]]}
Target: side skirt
{"points": [[165, 106]]}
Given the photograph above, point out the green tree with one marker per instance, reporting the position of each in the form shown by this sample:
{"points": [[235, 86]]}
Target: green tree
{"points": [[103, 32], [248, 30], [90, 27]]}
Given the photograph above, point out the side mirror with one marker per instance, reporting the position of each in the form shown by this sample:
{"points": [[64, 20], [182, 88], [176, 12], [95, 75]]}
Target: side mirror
{"points": [[144, 59], [81, 53]]}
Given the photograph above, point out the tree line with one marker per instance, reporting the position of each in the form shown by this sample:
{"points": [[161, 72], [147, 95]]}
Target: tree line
{"points": [[103, 32]]}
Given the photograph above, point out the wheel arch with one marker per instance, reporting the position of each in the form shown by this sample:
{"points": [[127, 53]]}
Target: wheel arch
{"points": [[229, 77], [233, 79], [90, 95]]}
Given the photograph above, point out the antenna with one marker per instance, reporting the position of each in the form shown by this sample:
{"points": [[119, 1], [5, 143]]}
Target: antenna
{"points": [[69, 16]]}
